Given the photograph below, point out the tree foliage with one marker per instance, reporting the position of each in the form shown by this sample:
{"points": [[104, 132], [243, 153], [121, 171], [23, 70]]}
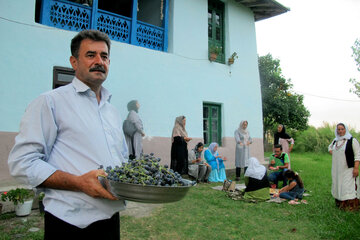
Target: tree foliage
{"points": [[280, 104], [356, 54]]}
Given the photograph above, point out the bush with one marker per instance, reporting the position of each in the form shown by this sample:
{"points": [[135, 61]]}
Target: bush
{"points": [[317, 139]]}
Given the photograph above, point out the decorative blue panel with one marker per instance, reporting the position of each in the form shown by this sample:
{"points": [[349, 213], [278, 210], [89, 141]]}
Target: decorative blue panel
{"points": [[116, 26], [68, 16], [76, 17], [149, 36]]}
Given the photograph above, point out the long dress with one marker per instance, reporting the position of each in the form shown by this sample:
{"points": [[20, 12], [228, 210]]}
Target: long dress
{"points": [[134, 142], [217, 173], [242, 152], [285, 146], [343, 183], [179, 155]]}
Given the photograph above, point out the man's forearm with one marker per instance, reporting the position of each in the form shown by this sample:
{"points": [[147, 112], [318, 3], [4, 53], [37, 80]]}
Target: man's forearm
{"points": [[62, 180]]}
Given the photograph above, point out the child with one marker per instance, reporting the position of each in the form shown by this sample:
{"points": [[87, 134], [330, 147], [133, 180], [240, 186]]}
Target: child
{"points": [[295, 189]]}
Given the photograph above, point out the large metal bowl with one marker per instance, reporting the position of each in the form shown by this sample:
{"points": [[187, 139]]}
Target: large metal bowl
{"points": [[145, 194]]}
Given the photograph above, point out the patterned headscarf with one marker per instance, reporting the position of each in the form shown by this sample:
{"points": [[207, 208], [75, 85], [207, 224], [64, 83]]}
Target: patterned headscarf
{"points": [[243, 131], [197, 153], [179, 128]]}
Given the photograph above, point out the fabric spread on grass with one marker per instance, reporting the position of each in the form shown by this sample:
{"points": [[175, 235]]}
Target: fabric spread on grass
{"points": [[237, 186]]}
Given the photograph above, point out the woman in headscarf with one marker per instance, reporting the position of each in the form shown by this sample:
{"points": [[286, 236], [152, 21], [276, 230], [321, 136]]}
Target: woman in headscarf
{"points": [[282, 138], [242, 151], [256, 181], [216, 163], [179, 152], [345, 169], [134, 138], [198, 168]]}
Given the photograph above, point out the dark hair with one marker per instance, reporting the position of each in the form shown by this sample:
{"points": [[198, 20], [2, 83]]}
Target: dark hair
{"points": [[199, 145], [94, 35], [278, 146], [291, 174], [340, 124]]}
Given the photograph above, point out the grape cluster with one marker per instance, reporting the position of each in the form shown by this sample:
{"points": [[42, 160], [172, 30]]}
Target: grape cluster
{"points": [[146, 171]]}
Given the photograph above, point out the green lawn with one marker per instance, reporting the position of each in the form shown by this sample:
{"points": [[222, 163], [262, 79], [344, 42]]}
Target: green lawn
{"points": [[209, 214]]}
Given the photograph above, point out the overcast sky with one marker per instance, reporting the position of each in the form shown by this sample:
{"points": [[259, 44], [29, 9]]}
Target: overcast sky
{"points": [[313, 43]]}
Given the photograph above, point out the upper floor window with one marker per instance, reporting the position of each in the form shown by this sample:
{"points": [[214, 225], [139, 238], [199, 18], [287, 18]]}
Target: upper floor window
{"points": [[62, 76], [212, 123], [216, 28], [138, 22]]}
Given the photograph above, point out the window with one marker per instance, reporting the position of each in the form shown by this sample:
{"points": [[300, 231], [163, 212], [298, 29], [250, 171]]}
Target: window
{"points": [[62, 76], [212, 123], [138, 22], [216, 27]]}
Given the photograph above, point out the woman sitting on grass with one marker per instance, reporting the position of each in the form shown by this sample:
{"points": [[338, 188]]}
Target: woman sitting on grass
{"points": [[213, 158], [256, 181], [295, 189]]}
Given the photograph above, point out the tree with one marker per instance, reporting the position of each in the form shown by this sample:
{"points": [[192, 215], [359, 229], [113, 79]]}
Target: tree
{"points": [[356, 54], [280, 104]]}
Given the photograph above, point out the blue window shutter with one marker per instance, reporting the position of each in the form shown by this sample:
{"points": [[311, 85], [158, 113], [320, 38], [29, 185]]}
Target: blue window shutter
{"points": [[134, 23], [165, 24]]}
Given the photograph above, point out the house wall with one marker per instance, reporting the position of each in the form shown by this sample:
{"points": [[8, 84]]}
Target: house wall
{"points": [[167, 84]]}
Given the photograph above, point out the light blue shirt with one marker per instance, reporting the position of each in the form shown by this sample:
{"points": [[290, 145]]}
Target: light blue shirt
{"points": [[67, 129]]}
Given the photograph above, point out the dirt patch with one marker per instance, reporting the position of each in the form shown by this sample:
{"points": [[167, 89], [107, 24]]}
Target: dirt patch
{"points": [[139, 210]]}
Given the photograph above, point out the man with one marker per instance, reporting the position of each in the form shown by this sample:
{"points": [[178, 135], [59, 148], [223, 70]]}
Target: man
{"points": [[279, 162], [65, 135]]}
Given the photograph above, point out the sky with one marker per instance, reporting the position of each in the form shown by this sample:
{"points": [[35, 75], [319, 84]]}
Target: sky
{"points": [[313, 43]]}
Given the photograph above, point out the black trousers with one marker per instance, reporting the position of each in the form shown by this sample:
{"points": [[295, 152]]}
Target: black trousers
{"points": [[56, 228]]}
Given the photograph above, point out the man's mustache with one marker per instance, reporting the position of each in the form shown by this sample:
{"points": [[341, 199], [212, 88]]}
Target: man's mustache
{"points": [[97, 69]]}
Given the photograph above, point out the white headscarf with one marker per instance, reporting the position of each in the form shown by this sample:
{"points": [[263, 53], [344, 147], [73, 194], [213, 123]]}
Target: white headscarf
{"points": [[255, 169], [347, 134], [244, 131]]}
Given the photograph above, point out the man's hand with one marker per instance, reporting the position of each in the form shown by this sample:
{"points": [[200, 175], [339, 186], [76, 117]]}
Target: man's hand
{"points": [[89, 184]]}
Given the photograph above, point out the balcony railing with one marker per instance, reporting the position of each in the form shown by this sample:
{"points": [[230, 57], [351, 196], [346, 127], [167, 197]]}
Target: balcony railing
{"points": [[76, 17]]}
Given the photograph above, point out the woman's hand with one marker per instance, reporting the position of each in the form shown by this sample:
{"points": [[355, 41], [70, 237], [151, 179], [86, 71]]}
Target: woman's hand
{"points": [[187, 139], [355, 172], [330, 151]]}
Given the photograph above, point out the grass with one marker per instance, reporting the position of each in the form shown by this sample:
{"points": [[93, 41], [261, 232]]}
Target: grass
{"points": [[209, 214]]}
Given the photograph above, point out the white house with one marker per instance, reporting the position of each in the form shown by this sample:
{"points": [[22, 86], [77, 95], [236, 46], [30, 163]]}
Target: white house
{"points": [[159, 56]]}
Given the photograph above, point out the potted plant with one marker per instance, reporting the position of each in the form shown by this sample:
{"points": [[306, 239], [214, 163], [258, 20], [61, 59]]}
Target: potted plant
{"points": [[214, 52], [41, 205], [22, 199], [232, 58]]}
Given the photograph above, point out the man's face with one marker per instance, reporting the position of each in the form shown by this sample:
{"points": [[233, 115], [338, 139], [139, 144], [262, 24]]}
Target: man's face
{"points": [[277, 152], [92, 64]]}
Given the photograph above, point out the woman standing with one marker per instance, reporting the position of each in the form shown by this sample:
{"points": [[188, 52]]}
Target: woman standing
{"points": [[179, 152], [282, 138], [242, 153], [345, 169], [134, 132], [198, 168], [216, 163]]}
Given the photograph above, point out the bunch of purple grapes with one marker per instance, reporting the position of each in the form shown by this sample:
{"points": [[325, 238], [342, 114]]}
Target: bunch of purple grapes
{"points": [[146, 171]]}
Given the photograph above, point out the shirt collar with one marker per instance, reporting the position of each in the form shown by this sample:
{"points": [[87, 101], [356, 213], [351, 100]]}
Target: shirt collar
{"points": [[81, 87]]}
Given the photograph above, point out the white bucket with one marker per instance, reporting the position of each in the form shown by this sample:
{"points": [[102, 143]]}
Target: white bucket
{"points": [[23, 209]]}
